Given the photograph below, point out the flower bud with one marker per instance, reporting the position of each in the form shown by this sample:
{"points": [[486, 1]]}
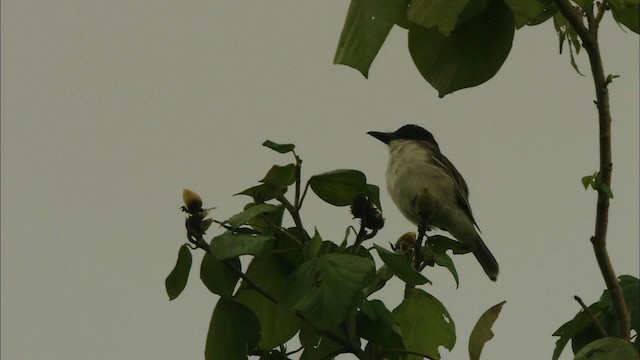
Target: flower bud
{"points": [[192, 201], [406, 242]]}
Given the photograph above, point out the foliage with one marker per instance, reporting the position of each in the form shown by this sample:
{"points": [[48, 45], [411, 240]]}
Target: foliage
{"points": [[301, 284], [456, 44], [597, 322], [296, 283]]}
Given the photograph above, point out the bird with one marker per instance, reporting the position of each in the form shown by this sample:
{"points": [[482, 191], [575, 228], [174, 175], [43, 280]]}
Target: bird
{"points": [[416, 165]]}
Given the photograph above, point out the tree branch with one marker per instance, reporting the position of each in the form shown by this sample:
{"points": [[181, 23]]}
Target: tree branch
{"points": [[589, 39], [592, 317]]}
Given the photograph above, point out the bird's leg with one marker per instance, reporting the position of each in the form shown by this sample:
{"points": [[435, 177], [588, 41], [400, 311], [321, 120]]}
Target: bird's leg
{"points": [[425, 206]]}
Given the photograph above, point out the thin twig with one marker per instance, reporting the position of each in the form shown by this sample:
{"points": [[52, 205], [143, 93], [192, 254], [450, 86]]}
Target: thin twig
{"points": [[295, 215], [589, 39], [417, 261], [592, 317]]}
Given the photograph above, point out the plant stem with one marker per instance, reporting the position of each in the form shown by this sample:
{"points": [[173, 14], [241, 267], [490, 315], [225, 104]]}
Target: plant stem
{"points": [[589, 37], [295, 215], [592, 317]]}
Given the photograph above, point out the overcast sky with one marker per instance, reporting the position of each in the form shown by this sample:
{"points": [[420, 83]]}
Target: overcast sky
{"points": [[110, 108]]}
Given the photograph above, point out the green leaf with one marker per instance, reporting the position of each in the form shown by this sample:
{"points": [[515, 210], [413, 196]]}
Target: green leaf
{"points": [[339, 187], [482, 333], [217, 277], [263, 192], [587, 180], [281, 176], [439, 14], [610, 78], [468, 57], [311, 248], [365, 29], [244, 217], [281, 148], [380, 279], [233, 332], [608, 349], [580, 330], [626, 12], [324, 288], [566, 32], [400, 266], [525, 12], [268, 223], [317, 346], [378, 326], [564, 333], [227, 246], [177, 279], [374, 195], [425, 324], [441, 244], [548, 12], [276, 325], [445, 260]]}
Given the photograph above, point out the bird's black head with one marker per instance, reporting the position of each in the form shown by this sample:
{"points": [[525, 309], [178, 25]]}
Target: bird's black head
{"points": [[407, 132]]}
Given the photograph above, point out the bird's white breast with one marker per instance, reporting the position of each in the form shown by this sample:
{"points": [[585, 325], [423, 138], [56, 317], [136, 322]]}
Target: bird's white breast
{"points": [[411, 169]]}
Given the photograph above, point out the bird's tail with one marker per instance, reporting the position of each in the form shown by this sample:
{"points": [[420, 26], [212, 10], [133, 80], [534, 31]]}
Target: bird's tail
{"points": [[486, 259]]}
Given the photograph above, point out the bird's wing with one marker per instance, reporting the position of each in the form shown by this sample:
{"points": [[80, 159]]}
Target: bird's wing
{"points": [[461, 185]]}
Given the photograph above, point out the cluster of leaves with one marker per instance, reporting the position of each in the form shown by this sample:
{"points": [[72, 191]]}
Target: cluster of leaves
{"points": [[592, 331], [456, 44], [297, 283]]}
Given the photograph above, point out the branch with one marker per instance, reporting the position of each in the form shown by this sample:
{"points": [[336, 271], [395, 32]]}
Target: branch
{"points": [[589, 38], [295, 215], [592, 317]]}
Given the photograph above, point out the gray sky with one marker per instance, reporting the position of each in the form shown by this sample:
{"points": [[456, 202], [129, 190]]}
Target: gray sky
{"points": [[110, 108]]}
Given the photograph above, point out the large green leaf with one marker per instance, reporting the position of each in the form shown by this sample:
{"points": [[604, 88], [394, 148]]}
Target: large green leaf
{"points": [[425, 324], [315, 345], [177, 279], [627, 12], [471, 55], [379, 326], [325, 288], [608, 349], [366, 27], [217, 277], [242, 218], [526, 11], [276, 325], [281, 176], [400, 266], [439, 14], [227, 246], [482, 333], [339, 187], [233, 332]]}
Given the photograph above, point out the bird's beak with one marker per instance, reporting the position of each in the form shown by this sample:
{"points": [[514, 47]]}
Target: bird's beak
{"points": [[385, 137]]}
